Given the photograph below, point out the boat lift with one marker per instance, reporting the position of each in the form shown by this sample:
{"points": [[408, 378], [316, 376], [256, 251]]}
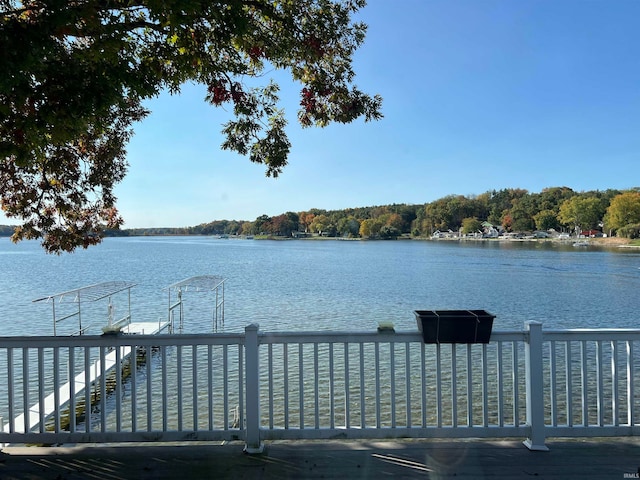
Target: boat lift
{"points": [[92, 293], [203, 283]]}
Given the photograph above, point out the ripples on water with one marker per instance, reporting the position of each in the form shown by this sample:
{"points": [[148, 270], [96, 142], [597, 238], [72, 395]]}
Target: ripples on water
{"points": [[337, 285]]}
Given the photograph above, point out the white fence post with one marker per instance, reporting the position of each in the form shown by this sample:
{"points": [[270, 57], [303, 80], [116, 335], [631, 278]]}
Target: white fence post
{"points": [[252, 364], [534, 387]]}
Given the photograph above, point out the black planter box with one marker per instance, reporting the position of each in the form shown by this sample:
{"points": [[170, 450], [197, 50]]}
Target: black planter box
{"points": [[455, 326]]}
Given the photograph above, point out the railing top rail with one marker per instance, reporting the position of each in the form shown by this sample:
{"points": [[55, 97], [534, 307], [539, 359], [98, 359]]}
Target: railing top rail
{"points": [[617, 334], [122, 340], [365, 337], [608, 334]]}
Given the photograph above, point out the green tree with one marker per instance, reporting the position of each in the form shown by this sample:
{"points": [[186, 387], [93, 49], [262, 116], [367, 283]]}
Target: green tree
{"points": [[471, 225], [75, 76], [582, 212], [370, 228], [521, 215], [262, 224], [320, 224], [348, 226], [623, 210], [388, 232], [545, 220]]}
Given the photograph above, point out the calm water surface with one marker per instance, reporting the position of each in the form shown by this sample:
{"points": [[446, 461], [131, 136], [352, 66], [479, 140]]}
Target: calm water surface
{"points": [[337, 285]]}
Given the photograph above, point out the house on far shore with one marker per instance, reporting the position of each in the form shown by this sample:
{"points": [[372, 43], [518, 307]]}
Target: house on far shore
{"points": [[591, 233], [448, 234], [491, 231]]}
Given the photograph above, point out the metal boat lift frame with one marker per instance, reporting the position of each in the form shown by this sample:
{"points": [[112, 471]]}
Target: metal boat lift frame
{"points": [[91, 293], [202, 283]]}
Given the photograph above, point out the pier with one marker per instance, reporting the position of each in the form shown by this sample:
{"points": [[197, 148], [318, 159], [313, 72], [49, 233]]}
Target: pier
{"points": [[76, 395]]}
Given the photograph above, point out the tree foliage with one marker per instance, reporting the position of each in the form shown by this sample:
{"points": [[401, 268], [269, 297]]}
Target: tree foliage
{"points": [[562, 209], [471, 225], [624, 210], [582, 212], [75, 75]]}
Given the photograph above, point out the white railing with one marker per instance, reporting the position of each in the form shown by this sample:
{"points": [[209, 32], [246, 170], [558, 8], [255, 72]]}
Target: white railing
{"points": [[258, 386], [172, 387]]}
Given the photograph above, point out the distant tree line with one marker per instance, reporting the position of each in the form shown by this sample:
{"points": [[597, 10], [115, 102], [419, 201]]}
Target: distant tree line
{"points": [[514, 210], [614, 212]]}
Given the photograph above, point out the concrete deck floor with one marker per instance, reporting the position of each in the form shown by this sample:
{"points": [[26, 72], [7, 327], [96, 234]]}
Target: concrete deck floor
{"points": [[594, 458]]}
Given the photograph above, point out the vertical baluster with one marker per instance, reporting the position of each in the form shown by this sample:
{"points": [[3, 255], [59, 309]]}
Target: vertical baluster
{"points": [[133, 366], [301, 384], [615, 394], [438, 386], [270, 374], [600, 383], [87, 389], [585, 380], [241, 382], [25, 389], [485, 390], [553, 380], [500, 386], [118, 390], [194, 381], [56, 389], [332, 390], [569, 384], [103, 390], [454, 387], [423, 384], [469, 386], [41, 395], [407, 372], [316, 385], [285, 366], [225, 386], [515, 376], [392, 359], [11, 389], [347, 401], [180, 385], [210, 387], [363, 422], [630, 385], [72, 390], [376, 354], [252, 372], [148, 356], [163, 360]]}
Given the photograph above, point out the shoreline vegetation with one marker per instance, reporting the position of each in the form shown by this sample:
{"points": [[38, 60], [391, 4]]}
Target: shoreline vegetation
{"points": [[598, 242], [606, 242], [605, 218]]}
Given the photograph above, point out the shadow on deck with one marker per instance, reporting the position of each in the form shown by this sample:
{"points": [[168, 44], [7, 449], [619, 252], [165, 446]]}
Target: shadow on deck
{"points": [[593, 458]]}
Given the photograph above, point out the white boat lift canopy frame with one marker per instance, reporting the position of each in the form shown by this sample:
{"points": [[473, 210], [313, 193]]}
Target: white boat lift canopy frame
{"points": [[202, 283], [91, 293]]}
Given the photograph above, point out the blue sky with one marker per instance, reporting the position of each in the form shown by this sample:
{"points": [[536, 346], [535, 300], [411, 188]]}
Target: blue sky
{"points": [[478, 95]]}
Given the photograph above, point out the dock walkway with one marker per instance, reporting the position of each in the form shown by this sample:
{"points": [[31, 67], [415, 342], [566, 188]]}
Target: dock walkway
{"points": [[568, 459], [62, 397]]}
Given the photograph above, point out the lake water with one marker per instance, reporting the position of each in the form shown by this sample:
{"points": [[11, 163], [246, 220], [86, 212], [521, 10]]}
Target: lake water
{"points": [[333, 285]]}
